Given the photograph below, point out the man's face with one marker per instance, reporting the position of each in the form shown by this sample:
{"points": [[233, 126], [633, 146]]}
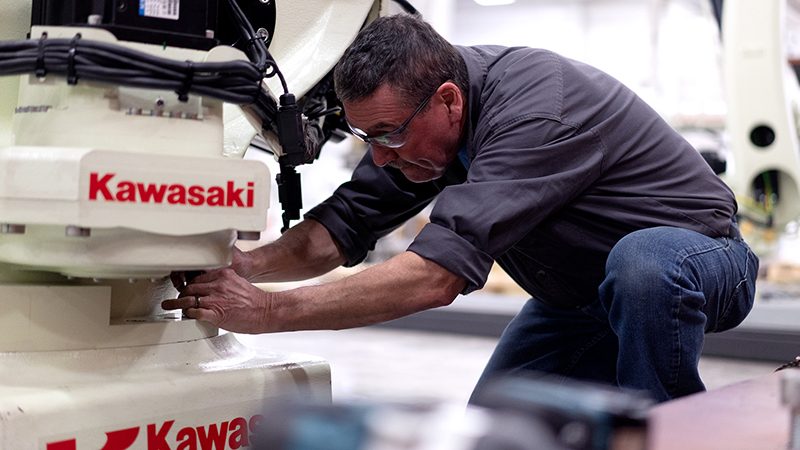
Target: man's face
{"points": [[429, 139]]}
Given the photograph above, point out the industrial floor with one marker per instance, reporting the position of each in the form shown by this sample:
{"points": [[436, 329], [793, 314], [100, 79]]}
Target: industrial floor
{"points": [[380, 364]]}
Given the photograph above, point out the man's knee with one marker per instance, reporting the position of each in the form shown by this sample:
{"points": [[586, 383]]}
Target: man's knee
{"points": [[642, 257], [642, 271]]}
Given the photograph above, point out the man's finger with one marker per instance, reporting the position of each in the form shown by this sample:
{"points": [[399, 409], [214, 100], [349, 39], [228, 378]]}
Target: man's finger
{"points": [[180, 303], [206, 315], [207, 277], [198, 289]]}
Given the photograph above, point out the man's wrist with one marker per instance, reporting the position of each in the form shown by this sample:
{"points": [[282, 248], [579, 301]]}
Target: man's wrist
{"points": [[265, 318], [244, 265]]}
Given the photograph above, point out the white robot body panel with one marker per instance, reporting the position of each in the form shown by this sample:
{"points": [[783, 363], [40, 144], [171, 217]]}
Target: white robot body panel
{"points": [[104, 190], [206, 393]]}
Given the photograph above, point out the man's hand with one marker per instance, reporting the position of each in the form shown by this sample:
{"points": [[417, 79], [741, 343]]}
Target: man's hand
{"points": [[241, 263], [225, 299]]}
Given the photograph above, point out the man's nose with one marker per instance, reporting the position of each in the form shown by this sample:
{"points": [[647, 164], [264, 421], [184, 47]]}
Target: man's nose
{"points": [[382, 156]]}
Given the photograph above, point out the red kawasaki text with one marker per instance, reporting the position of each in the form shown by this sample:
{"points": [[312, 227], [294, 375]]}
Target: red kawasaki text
{"points": [[104, 187]]}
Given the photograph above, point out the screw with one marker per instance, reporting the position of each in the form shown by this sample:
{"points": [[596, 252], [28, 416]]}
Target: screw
{"points": [[75, 231], [263, 33], [122, 6], [159, 102], [248, 235], [11, 228]]}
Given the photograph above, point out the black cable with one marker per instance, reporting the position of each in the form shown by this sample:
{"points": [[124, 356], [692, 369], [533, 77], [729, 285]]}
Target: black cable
{"points": [[99, 61], [262, 148], [407, 7], [258, 47], [327, 112], [238, 82], [716, 6]]}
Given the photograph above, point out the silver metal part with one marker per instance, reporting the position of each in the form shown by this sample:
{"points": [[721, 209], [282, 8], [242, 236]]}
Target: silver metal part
{"points": [[210, 34], [790, 396], [11, 228], [75, 231], [95, 19], [248, 235]]}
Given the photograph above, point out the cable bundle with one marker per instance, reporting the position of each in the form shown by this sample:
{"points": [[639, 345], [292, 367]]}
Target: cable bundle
{"points": [[237, 82]]}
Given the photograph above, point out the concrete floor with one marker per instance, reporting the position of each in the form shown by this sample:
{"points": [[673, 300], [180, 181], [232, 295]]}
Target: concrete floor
{"points": [[379, 364]]}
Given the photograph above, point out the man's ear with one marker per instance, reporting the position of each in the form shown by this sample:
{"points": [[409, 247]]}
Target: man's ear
{"points": [[453, 99]]}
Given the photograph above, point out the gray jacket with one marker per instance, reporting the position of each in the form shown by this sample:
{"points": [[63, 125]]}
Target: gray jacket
{"points": [[561, 161]]}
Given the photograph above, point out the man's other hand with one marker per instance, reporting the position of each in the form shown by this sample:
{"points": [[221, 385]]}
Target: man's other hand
{"points": [[241, 263], [225, 299]]}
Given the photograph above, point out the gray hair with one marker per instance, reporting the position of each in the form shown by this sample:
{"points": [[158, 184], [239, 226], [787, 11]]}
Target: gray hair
{"points": [[404, 52]]}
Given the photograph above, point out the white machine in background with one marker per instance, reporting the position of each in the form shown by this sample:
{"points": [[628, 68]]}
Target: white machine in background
{"points": [[106, 188], [762, 125], [762, 96]]}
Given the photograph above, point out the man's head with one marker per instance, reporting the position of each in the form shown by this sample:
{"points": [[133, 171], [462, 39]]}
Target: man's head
{"points": [[404, 88]]}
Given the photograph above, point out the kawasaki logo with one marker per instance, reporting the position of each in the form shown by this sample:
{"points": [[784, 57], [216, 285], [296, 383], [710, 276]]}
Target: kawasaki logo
{"points": [[105, 188], [232, 434]]}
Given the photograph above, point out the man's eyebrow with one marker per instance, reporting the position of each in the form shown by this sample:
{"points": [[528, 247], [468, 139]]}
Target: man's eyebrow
{"points": [[381, 127]]}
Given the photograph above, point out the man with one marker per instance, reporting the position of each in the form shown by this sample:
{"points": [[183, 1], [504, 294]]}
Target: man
{"points": [[581, 192]]}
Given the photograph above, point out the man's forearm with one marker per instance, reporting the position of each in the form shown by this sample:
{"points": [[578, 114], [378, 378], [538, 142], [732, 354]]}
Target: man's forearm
{"points": [[398, 287], [304, 251]]}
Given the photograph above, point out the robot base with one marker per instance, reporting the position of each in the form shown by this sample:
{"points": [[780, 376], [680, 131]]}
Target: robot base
{"points": [[80, 372], [207, 394]]}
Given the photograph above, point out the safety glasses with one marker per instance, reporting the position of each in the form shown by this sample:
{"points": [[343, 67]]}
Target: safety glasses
{"points": [[395, 138]]}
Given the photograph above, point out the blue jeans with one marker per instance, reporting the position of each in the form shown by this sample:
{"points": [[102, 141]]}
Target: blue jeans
{"points": [[664, 288]]}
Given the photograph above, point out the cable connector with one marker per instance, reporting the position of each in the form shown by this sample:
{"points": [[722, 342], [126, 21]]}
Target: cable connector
{"points": [[292, 139], [72, 72], [186, 87], [290, 131], [41, 70], [290, 193]]}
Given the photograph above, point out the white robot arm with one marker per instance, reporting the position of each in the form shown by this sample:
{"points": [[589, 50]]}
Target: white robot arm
{"points": [[110, 180], [114, 136]]}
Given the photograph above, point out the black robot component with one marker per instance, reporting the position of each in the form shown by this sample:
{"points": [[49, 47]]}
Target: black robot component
{"points": [[195, 24], [301, 141]]}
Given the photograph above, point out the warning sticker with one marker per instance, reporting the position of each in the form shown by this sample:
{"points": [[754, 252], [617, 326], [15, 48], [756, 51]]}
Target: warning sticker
{"points": [[161, 9]]}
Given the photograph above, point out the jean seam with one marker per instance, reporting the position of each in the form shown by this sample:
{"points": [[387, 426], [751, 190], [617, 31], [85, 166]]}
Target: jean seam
{"points": [[676, 358], [729, 301]]}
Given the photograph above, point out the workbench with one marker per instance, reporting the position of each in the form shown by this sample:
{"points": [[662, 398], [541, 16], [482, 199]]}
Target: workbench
{"points": [[747, 416]]}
